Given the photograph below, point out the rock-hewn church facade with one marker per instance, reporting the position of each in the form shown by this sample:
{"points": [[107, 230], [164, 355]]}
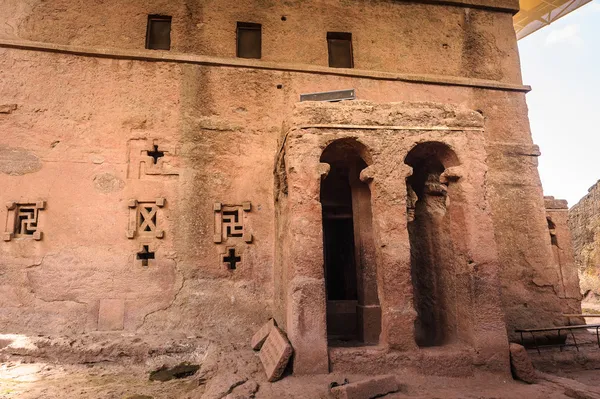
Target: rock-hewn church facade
{"points": [[161, 174]]}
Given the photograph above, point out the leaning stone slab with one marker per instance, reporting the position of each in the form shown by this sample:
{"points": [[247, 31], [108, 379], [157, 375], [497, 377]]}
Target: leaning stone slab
{"points": [[261, 335], [366, 389], [275, 354], [521, 365]]}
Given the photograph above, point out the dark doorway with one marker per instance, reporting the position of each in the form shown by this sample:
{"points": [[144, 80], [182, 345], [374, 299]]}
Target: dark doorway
{"points": [[353, 313]]}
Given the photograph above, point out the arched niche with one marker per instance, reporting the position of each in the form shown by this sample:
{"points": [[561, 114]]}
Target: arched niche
{"points": [[353, 310], [439, 263]]}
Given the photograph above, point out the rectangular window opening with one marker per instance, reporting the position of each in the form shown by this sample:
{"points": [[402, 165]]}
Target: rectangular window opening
{"points": [[249, 40], [339, 45], [158, 33]]}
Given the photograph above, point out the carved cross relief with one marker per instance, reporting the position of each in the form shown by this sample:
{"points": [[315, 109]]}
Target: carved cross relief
{"points": [[231, 228], [150, 158], [145, 255], [231, 258], [229, 222], [22, 220], [144, 218]]}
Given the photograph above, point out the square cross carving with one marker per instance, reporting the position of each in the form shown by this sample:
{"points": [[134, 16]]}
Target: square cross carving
{"points": [[230, 222], [144, 218], [231, 258], [145, 255], [23, 220], [150, 158]]}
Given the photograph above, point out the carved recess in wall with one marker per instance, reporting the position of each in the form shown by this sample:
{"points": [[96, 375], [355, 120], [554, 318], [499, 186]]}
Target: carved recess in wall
{"points": [[230, 222], [230, 228], [22, 220], [144, 218], [231, 257], [150, 158], [146, 255]]}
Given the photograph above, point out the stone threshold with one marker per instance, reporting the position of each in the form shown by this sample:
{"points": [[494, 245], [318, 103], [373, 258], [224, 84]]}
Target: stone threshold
{"points": [[169, 57]]}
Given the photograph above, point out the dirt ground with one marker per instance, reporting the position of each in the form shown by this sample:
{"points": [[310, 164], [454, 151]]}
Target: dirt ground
{"points": [[41, 380], [94, 367]]}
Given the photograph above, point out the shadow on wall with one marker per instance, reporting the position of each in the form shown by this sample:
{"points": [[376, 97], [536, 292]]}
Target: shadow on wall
{"points": [[441, 289]]}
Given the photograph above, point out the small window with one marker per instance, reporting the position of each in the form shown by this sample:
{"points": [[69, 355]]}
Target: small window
{"points": [[158, 34], [339, 45], [248, 40]]}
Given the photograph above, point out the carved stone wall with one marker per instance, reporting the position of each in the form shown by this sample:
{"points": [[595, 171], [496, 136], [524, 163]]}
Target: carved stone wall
{"points": [[453, 41], [557, 216], [384, 134], [90, 120], [584, 222]]}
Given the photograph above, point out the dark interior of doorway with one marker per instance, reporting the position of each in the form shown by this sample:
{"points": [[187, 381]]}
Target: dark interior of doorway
{"points": [[353, 313]]}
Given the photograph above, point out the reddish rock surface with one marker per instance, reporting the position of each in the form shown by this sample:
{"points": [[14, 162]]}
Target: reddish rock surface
{"points": [[584, 222], [568, 289], [366, 389], [259, 338], [521, 365], [275, 354], [188, 192]]}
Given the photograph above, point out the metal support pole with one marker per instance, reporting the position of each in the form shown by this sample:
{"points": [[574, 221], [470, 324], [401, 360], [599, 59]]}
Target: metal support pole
{"points": [[574, 340], [535, 341]]}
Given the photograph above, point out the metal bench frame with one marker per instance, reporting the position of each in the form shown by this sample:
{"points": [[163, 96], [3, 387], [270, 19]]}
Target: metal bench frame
{"points": [[570, 329]]}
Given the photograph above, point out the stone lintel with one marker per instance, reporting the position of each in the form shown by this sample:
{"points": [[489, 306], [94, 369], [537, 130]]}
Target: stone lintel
{"points": [[401, 115], [552, 203]]}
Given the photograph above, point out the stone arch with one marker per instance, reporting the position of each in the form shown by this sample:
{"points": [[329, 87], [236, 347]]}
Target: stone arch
{"points": [[439, 261], [347, 147], [353, 310]]}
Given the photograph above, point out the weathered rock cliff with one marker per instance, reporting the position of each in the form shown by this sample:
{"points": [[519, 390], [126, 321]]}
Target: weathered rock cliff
{"points": [[584, 222]]}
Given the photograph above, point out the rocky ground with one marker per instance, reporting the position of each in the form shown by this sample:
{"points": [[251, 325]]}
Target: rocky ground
{"points": [[98, 367]]}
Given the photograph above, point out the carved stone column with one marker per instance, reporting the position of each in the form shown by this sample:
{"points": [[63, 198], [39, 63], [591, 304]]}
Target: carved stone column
{"points": [[306, 297], [388, 198]]}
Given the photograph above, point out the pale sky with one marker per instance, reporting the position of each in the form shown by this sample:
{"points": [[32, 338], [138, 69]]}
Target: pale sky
{"points": [[561, 62]]}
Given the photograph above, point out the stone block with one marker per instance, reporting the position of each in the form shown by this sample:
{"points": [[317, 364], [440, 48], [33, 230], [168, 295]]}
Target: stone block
{"points": [[306, 325], [261, 335], [520, 364], [366, 389], [369, 320], [275, 354], [553, 203], [111, 314], [398, 329]]}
